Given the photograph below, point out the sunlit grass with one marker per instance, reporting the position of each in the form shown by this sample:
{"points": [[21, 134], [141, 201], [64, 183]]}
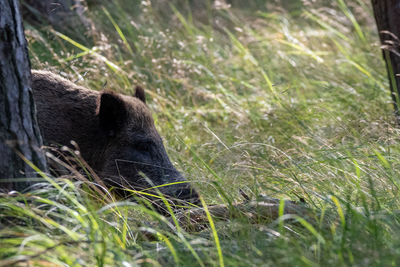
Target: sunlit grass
{"points": [[291, 101]]}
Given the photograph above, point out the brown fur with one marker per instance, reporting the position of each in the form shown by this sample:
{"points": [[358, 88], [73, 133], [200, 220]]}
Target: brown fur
{"points": [[115, 133], [72, 111]]}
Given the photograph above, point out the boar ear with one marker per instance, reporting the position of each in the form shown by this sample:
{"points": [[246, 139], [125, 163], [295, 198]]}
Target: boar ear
{"points": [[139, 93], [111, 112]]}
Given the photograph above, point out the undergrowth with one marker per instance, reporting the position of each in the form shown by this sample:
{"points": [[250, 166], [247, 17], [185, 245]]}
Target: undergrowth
{"points": [[288, 99]]}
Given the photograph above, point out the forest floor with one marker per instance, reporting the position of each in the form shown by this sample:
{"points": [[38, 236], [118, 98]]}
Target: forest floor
{"points": [[288, 99]]}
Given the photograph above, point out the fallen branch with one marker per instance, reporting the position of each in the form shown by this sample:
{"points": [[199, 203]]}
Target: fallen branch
{"points": [[264, 209]]}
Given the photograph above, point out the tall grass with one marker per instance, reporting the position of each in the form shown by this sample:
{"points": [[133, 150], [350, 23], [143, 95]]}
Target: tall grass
{"points": [[289, 100]]}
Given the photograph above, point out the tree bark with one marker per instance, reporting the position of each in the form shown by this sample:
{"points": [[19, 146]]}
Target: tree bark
{"points": [[387, 16], [19, 131]]}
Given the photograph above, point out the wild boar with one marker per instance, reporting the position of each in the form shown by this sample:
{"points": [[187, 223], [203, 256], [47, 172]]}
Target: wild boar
{"points": [[115, 134]]}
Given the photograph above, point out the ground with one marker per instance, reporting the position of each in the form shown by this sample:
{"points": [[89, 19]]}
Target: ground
{"points": [[285, 99]]}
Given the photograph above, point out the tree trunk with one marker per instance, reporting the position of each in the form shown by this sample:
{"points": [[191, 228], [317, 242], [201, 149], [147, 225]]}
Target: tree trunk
{"points": [[19, 131], [387, 16]]}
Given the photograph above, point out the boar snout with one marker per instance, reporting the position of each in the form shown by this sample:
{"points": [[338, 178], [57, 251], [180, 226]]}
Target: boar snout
{"points": [[181, 194]]}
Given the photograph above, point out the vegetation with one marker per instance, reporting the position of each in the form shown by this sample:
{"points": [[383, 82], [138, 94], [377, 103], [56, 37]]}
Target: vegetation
{"points": [[289, 99]]}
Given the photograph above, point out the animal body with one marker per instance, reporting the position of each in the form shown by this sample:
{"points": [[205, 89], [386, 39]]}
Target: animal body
{"points": [[115, 134]]}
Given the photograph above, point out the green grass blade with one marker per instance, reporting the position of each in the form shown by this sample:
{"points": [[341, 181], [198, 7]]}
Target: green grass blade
{"points": [[214, 232]]}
